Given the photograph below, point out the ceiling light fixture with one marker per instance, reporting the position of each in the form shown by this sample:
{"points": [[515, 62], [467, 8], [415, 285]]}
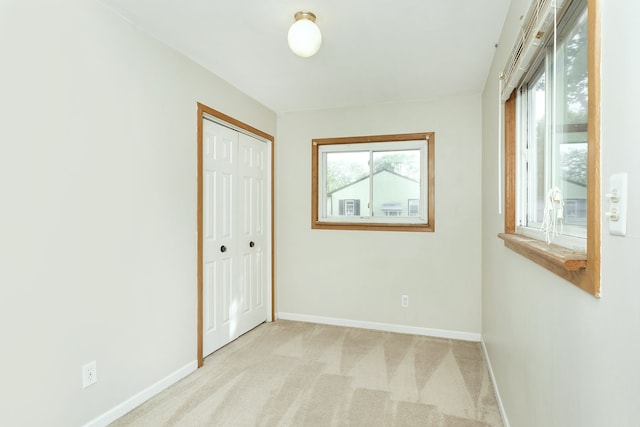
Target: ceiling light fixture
{"points": [[304, 35]]}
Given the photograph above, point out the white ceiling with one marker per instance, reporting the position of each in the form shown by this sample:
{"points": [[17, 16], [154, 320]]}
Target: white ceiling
{"points": [[373, 51]]}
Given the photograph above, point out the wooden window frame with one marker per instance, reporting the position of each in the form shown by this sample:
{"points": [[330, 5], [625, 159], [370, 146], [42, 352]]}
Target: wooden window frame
{"points": [[580, 269], [375, 226]]}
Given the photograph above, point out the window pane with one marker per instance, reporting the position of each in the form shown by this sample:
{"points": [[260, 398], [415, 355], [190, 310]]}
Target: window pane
{"points": [[347, 183], [573, 172], [571, 122], [537, 150], [555, 115], [396, 180]]}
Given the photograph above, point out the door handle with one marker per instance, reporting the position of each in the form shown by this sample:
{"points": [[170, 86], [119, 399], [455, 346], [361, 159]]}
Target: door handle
{"points": [[223, 248], [251, 244]]}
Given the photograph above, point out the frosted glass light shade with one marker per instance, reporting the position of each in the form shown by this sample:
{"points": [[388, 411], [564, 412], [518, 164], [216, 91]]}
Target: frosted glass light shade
{"points": [[304, 35]]}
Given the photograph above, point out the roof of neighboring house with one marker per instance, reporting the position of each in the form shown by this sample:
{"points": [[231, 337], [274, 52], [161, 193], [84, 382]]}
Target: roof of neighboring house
{"points": [[574, 182], [367, 176]]}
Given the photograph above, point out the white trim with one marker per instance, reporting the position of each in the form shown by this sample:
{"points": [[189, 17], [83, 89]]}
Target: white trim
{"points": [[368, 216], [388, 327], [503, 413], [139, 398], [270, 227], [500, 131]]}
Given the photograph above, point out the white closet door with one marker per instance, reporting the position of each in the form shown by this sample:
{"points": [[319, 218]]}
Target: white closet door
{"points": [[234, 174], [252, 174]]}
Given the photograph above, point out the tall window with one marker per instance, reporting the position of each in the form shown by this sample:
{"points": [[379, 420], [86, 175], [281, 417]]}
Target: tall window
{"points": [[366, 182], [552, 109], [552, 140]]}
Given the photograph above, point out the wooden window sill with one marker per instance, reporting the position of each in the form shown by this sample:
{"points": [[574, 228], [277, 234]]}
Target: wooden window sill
{"points": [[564, 262], [543, 253]]}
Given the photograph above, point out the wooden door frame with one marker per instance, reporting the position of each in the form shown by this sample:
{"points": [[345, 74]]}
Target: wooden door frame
{"points": [[202, 110]]}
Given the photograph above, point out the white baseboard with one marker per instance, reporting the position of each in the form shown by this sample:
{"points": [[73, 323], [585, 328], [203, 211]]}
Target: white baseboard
{"points": [[503, 413], [141, 397], [414, 330]]}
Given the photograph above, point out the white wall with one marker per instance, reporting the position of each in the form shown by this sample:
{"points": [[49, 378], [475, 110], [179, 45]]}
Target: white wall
{"points": [[97, 207], [562, 357], [360, 275]]}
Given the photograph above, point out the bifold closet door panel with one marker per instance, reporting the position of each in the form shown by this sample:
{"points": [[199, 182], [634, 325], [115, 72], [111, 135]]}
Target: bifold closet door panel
{"points": [[234, 219]]}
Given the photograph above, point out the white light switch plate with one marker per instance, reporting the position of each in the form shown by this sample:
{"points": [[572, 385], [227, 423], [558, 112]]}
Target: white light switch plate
{"points": [[618, 185]]}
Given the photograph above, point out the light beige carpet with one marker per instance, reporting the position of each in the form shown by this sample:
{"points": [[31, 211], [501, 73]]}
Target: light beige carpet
{"points": [[303, 374]]}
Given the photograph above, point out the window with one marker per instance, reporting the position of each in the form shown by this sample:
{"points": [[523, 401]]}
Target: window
{"points": [[552, 142], [349, 207], [381, 182], [413, 207]]}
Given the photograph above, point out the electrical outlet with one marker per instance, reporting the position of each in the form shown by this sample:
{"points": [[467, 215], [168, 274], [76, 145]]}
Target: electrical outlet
{"points": [[404, 301], [89, 374]]}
